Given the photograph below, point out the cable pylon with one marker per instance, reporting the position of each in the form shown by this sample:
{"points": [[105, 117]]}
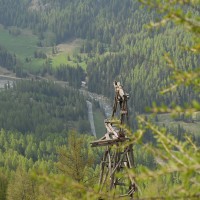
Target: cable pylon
{"points": [[117, 157]]}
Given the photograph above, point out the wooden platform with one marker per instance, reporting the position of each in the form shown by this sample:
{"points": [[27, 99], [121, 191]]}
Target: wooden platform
{"points": [[111, 137], [107, 140], [119, 159]]}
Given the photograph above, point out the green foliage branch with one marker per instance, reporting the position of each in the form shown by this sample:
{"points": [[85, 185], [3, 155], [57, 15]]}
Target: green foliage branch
{"points": [[177, 174]]}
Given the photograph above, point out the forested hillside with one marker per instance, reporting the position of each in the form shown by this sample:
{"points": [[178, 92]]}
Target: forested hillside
{"points": [[37, 118], [42, 107], [101, 20], [44, 153], [116, 41]]}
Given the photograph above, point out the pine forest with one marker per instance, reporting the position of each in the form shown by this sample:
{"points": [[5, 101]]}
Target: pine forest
{"points": [[71, 70]]}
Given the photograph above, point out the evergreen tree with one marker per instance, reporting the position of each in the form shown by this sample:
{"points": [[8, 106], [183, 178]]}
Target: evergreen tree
{"points": [[21, 187], [75, 159]]}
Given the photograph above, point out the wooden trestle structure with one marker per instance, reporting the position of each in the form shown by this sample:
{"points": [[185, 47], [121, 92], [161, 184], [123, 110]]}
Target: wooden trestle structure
{"points": [[116, 158]]}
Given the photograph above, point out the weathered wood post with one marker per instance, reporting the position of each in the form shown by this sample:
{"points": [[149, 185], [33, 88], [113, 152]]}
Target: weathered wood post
{"points": [[116, 157]]}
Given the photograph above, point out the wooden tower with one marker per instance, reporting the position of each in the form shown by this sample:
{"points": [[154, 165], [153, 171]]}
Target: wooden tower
{"points": [[116, 158]]}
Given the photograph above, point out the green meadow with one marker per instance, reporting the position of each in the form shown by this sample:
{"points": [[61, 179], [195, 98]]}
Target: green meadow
{"points": [[190, 126], [63, 59], [25, 44]]}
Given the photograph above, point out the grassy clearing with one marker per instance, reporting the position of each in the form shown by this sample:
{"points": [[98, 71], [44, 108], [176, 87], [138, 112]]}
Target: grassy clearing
{"points": [[190, 127], [25, 44], [70, 47], [63, 59], [22, 45], [68, 54], [59, 59], [34, 65]]}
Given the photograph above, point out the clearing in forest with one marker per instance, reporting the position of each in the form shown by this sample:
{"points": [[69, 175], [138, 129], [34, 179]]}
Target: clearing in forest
{"points": [[24, 44]]}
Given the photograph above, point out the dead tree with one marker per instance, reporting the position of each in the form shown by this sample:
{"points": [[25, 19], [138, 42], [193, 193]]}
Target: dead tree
{"points": [[116, 158]]}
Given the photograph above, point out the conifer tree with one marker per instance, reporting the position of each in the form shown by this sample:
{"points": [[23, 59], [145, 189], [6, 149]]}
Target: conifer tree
{"points": [[75, 159], [3, 186], [21, 187]]}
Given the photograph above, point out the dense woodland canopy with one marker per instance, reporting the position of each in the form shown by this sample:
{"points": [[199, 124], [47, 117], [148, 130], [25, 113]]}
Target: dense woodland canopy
{"points": [[36, 119], [117, 41], [42, 107]]}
